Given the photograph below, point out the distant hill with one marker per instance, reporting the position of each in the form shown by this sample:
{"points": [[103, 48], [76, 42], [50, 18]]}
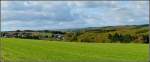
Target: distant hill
{"points": [[108, 34], [105, 28], [91, 28]]}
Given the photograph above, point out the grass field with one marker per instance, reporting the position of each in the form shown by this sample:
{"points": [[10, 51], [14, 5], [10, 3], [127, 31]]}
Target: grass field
{"points": [[26, 50]]}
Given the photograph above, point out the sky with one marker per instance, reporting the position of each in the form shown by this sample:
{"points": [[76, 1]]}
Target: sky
{"points": [[42, 15]]}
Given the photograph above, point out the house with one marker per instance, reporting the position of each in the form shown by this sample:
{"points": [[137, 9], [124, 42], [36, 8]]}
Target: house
{"points": [[58, 36]]}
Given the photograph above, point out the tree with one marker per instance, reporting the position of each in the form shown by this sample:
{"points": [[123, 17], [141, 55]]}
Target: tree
{"points": [[18, 30], [146, 38], [46, 30], [70, 36]]}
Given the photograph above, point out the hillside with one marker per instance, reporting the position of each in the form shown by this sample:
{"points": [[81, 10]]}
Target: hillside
{"points": [[105, 28], [26, 50], [108, 34]]}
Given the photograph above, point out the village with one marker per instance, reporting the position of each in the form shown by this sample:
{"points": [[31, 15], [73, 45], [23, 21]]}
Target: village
{"points": [[33, 35]]}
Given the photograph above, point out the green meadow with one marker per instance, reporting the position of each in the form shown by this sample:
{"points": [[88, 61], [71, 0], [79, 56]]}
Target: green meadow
{"points": [[27, 50]]}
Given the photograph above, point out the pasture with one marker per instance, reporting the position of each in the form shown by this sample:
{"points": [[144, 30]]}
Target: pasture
{"points": [[27, 50]]}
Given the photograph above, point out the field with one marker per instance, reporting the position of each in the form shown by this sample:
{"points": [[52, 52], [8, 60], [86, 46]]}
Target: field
{"points": [[27, 50]]}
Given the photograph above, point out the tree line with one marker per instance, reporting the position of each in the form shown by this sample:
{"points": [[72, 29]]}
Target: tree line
{"points": [[128, 38], [91, 36]]}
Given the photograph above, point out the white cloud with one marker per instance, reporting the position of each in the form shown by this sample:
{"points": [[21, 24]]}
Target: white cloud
{"points": [[131, 20], [65, 14]]}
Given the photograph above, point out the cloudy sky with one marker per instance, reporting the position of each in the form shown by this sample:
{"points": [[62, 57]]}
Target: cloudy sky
{"points": [[71, 14]]}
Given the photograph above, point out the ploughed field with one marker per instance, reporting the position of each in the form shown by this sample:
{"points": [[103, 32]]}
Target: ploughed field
{"points": [[27, 50]]}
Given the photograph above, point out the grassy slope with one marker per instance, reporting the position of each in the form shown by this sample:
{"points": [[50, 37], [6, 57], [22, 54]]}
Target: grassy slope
{"points": [[33, 50]]}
